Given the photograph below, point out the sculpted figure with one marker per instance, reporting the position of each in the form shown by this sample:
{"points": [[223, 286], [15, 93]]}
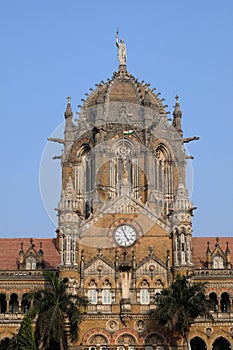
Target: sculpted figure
{"points": [[121, 50]]}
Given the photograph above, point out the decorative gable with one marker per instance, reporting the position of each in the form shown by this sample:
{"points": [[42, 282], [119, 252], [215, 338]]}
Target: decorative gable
{"points": [[31, 260], [98, 266], [218, 259]]}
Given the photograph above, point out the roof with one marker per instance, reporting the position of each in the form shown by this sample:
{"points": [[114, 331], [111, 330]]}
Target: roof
{"points": [[200, 247], [123, 86], [10, 247]]}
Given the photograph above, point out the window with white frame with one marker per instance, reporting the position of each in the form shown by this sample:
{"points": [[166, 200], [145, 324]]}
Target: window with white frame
{"points": [[144, 293]]}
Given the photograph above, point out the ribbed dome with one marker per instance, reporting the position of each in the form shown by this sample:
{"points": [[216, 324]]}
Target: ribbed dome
{"points": [[124, 87]]}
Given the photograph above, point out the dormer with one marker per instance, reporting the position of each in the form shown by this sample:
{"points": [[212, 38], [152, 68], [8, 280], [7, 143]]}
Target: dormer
{"points": [[32, 259], [218, 259]]}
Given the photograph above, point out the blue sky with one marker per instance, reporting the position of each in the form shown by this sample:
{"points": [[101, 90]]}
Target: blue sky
{"points": [[52, 49]]}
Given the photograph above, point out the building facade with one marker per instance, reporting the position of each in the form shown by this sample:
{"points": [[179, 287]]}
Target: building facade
{"points": [[124, 225]]}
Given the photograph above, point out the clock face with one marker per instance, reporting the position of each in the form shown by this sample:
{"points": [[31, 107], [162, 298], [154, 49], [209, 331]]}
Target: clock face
{"points": [[125, 235]]}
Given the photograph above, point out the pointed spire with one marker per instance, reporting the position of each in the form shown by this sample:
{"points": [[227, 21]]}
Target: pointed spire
{"points": [[68, 113], [208, 251], [228, 249], [40, 252], [177, 114]]}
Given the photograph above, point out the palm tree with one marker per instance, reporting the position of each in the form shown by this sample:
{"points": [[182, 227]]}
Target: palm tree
{"points": [[179, 305], [54, 307]]}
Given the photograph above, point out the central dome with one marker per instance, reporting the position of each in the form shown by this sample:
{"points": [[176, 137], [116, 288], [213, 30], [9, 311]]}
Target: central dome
{"points": [[124, 87]]}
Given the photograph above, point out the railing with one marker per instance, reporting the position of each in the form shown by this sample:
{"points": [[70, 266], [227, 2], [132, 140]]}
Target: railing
{"points": [[21, 273], [214, 272], [9, 316], [99, 308], [217, 317]]}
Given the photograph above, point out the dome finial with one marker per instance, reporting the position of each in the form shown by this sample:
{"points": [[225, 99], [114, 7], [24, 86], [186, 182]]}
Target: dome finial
{"points": [[121, 50]]}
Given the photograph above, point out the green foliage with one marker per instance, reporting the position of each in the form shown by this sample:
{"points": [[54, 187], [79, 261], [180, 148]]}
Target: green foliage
{"points": [[54, 307], [24, 340], [179, 305]]}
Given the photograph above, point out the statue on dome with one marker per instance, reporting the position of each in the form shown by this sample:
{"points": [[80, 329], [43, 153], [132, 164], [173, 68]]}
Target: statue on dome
{"points": [[121, 50]]}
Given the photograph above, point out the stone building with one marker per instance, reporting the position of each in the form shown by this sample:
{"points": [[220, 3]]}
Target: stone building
{"points": [[124, 225]]}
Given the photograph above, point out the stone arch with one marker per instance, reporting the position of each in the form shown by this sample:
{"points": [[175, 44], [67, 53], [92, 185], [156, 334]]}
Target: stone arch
{"points": [[125, 174], [25, 304], [221, 343], [3, 303], [126, 338], [140, 280], [213, 301], [155, 339], [158, 285], [4, 343], [14, 303], [198, 343], [91, 282], [225, 302], [107, 282], [98, 339]]}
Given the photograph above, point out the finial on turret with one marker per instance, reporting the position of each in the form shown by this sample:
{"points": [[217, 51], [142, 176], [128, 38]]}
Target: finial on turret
{"points": [[122, 56], [177, 114], [68, 113]]}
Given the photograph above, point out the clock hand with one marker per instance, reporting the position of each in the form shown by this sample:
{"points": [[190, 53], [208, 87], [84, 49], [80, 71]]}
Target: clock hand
{"points": [[125, 234]]}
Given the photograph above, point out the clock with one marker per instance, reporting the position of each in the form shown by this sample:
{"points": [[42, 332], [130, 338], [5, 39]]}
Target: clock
{"points": [[125, 235]]}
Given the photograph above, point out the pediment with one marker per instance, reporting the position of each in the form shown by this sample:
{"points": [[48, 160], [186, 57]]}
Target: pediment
{"points": [[98, 264], [127, 205], [124, 204], [149, 264]]}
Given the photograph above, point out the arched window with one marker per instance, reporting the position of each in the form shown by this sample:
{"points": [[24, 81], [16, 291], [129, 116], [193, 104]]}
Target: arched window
{"points": [[92, 292], [213, 302], [84, 178], [14, 304], [164, 175], [2, 303], [144, 293], [106, 292], [225, 302], [221, 343], [198, 344], [218, 262], [158, 286], [31, 263], [25, 305]]}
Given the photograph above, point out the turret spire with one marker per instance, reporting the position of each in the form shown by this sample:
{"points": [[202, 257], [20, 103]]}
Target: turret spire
{"points": [[68, 113], [177, 114]]}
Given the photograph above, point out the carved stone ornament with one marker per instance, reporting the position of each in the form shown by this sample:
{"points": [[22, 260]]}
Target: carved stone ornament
{"points": [[126, 339], [98, 339], [112, 325], [208, 331], [140, 326]]}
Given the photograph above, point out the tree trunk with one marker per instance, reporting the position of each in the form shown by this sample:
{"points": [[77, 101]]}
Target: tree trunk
{"points": [[187, 341], [61, 344]]}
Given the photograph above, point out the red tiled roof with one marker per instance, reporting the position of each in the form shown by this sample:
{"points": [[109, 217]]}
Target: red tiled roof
{"points": [[10, 247], [200, 247]]}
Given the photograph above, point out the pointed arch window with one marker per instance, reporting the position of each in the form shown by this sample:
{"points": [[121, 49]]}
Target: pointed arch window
{"points": [[144, 293], [84, 178], [106, 292], [164, 172], [92, 292]]}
